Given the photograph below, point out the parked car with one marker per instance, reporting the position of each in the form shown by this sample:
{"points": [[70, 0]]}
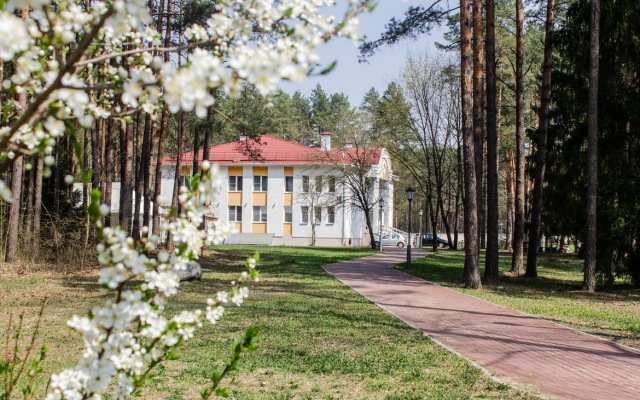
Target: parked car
{"points": [[392, 239], [427, 240]]}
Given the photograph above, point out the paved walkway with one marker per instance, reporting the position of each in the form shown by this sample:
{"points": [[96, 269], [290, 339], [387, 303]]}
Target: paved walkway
{"points": [[518, 348]]}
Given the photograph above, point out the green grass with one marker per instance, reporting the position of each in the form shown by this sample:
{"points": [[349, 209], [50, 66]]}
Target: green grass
{"points": [[319, 339], [613, 313]]}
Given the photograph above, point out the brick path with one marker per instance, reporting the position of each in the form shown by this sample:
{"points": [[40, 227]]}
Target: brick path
{"points": [[518, 348]]}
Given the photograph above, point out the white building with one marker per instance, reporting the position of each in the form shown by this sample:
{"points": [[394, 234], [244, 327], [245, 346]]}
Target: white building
{"points": [[279, 192]]}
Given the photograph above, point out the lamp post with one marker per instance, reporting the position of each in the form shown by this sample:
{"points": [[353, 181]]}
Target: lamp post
{"points": [[381, 203], [420, 229], [409, 197]]}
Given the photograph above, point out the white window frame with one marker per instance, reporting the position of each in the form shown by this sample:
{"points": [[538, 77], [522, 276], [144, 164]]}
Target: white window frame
{"points": [[237, 179], [261, 182], [262, 214], [288, 212], [317, 214], [317, 185], [331, 215], [235, 213], [304, 214], [332, 184], [305, 183], [288, 181]]}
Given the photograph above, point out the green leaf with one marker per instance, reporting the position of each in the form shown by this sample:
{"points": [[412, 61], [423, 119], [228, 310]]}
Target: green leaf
{"points": [[329, 68]]}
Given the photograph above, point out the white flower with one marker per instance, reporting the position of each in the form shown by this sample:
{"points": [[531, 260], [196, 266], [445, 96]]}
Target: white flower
{"points": [[5, 193], [14, 36], [112, 276]]}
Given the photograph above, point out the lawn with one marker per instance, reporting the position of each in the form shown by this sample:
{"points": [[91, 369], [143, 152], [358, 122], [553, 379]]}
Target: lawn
{"points": [[612, 313], [319, 339]]}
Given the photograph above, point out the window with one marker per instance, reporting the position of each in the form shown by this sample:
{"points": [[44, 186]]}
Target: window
{"points": [[305, 184], [260, 183], [183, 181], [318, 215], [288, 184], [331, 215], [305, 214], [235, 213], [319, 184], [235, 184], [332, 184], [288, 215], [259, 214]]}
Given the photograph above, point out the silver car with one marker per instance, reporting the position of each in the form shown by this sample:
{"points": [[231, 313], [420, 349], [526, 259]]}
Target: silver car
{"points": [[392, 239]]}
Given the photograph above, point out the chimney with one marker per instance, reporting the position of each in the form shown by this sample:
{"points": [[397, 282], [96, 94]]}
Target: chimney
{"points": [[325, 141], [348, 145], [243, 136]]}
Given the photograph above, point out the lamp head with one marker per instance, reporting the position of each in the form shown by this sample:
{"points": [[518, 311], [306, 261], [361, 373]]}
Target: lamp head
{"points": [[381, 202], [410, 192]]}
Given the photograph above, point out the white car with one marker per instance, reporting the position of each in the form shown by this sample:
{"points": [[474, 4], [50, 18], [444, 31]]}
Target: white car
{"points": [[392, 239]]}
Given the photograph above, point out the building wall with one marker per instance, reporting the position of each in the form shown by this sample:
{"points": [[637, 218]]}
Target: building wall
{"points": [[347, 229]]}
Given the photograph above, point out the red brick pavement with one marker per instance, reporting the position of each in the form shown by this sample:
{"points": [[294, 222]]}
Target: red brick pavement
{"points": [[530, 352]]}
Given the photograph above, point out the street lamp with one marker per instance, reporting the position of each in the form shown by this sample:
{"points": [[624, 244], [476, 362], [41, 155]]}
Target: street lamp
{"points": [[409, 197], [381, 203], [420, 230]]}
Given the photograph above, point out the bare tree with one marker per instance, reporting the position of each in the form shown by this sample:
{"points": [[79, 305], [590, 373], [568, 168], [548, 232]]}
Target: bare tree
{"points": [[427, 151], [316, 196], [354, 166], [589, 283]]}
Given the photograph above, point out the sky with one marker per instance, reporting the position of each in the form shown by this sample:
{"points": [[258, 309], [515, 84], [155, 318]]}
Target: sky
{"points": [[354, 79]]}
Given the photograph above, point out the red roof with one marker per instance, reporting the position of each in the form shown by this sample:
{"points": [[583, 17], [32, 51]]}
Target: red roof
{"points": [[268, 149]]}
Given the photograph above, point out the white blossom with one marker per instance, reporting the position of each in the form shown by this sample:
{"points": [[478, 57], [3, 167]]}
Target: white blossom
{"points": [[106, 83], [14, 36]]}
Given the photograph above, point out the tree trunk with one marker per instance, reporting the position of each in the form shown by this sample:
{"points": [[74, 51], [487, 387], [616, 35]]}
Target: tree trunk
{"points": [[140, 173], [196, 149], [108, 168], [434, 223], [175, 204], [164, 123], [37, 209], [445, 221], [126, 175], [13, 227], [478, 114], [589, 283], [491, 271], [157, 192], [510, 183], [96, 162], [28, 218], [148, 144], [541, 146], [56, 179], [471, 270], [518, 237]]}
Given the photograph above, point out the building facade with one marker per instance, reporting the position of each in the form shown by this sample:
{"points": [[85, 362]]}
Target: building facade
{"points": [[282, 193]]}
